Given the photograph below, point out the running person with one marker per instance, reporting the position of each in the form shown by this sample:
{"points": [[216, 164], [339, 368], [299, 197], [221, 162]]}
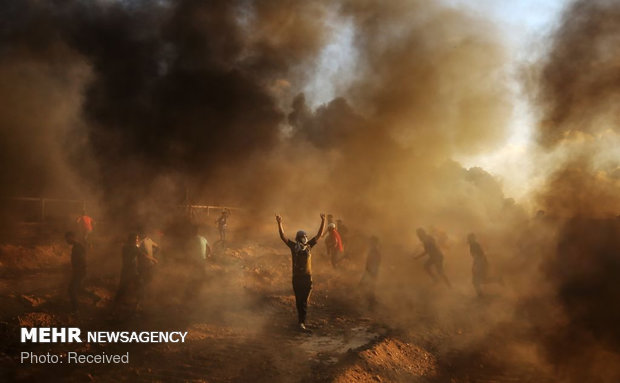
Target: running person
{"points": [[435, 256], [302, 267]]}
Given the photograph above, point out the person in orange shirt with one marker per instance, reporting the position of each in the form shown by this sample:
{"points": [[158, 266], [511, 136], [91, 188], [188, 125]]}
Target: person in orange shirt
{"points": [[333, 242], [86, 225]]}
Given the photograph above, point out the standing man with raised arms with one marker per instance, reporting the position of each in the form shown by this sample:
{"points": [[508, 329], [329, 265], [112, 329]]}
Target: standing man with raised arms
{"points": [[302, 267]]}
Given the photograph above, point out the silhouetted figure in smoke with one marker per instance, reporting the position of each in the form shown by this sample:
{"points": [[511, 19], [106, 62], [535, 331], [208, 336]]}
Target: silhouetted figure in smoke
{"points": [[204, 249], [480, 268], [222, 224], [85, 224], [78, 270], [371, 273], [197, 250], [330, 219], [302, 268], [146, 262], [343, 230], [129, 272], [435, 256], [333, 243]]}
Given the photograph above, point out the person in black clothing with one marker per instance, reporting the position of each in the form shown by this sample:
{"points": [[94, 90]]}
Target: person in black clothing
{"points": [[371, 274], [78, 270], [435, 256], [129, 271], [480, 268], [302, 267], [222, 224]]}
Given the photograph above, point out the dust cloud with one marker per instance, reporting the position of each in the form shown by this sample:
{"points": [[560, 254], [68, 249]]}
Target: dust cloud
{"points": [[577, 96], [141, 106]]}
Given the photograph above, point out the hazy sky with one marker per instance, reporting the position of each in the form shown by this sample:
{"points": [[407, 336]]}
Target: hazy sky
{"points": [[523, 24]]}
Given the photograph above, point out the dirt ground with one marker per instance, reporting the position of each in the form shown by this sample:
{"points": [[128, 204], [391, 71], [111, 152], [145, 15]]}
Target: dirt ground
{"points": [[241, 321]]}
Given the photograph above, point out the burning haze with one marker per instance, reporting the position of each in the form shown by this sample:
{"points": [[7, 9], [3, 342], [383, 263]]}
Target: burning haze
{"points": [[136, 103]]}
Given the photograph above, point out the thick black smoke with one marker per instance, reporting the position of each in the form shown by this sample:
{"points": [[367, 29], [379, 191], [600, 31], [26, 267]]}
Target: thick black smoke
{"points": [[578, 95], [173, 88], [580, 77]]}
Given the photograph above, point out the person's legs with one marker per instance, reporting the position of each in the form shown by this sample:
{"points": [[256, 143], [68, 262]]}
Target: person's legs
{"points": [[123, 288], [477, 284], [195, 284], [302, 286], [333, 256], [439, 267], [146, 274], [370, 294], [427, 266], [74, 287]]}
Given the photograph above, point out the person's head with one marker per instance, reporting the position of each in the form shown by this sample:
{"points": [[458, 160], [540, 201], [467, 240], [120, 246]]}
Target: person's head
{"points": [[70, 237], [331, 227], [471, 238], [339, 221], [301, 237], [133, 239], [421, 234]]}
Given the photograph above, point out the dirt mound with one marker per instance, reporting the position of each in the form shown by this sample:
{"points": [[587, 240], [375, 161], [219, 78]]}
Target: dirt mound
{"points": [[390, 360]]}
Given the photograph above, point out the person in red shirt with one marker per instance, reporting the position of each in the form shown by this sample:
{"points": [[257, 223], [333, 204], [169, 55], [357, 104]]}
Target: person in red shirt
{"points": [[333, 242], [86, 225]]}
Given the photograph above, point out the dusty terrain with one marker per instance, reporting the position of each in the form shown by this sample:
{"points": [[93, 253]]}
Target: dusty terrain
{"points": [[241, 325]]}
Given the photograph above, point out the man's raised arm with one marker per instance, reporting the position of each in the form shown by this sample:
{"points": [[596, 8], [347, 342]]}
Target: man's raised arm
{"points": [[282, 236], [320, 233]]}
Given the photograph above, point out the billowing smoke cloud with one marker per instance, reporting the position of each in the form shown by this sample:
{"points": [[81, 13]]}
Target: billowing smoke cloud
{"points": [[424, 91], [140, 102], [174, 88], [187, 95], [580, 77], [578, 103]]}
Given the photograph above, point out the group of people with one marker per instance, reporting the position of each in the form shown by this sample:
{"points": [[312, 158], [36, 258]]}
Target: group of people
{"points": [[480, 269], [139, 256], [302, 270]]}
